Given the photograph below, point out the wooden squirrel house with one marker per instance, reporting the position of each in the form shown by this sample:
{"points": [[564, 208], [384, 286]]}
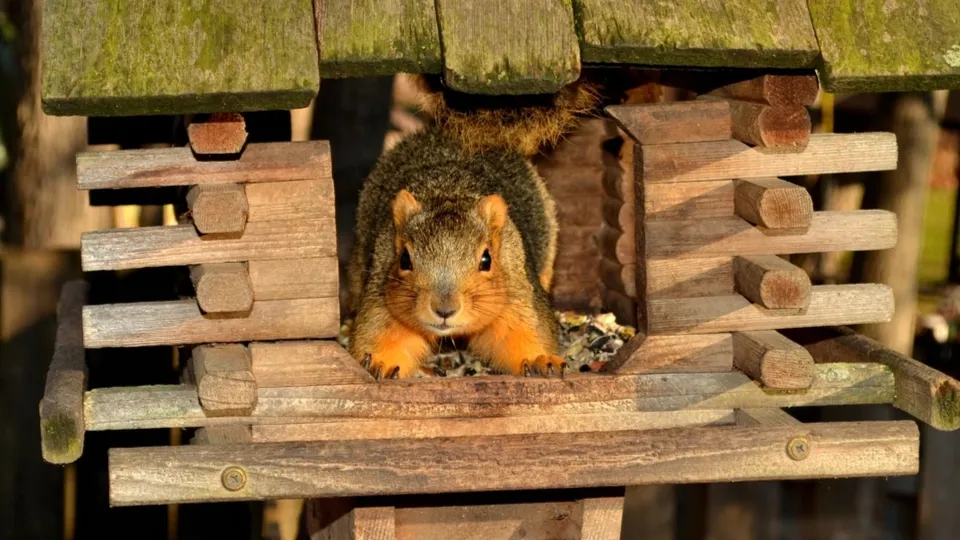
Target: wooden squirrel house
{"points": [[697, 216]]}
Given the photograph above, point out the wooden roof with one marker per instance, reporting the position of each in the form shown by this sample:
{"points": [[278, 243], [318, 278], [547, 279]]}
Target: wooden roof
{"points": [[171, 56]]}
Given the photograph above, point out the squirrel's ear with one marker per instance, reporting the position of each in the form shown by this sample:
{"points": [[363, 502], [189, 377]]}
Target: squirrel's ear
{"points": [[404, 206], [493, 210]]}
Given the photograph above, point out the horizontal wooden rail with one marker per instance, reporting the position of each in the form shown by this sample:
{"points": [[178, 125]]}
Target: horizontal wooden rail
{"points": [[477, 397], [156, 167], [859, 230], [181, 474]]}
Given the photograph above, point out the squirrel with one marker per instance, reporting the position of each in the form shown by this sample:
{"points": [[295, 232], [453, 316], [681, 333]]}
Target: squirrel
{"points": [[457, 236]]}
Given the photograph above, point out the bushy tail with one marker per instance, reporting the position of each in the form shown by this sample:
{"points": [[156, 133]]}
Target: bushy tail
{"points": [[526, 124]]}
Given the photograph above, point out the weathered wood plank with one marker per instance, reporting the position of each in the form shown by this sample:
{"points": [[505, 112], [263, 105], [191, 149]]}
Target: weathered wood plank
{"points": [[774, 203], [708, 353], [218, 208], [222, 288], [304, 363], [772, 282], [508, 46], [222, 435], [350, 429], [691, 200], [887, 46], [363, 38], [826, 153], [288, 279], [484, 397], [158, 167], [180, 245], [752, 33], [666, 123], [829, 305], [278, 201], [61, 409], [134, 57], [602, 518], [773, 360], [541, 461], [927, 394], [858, 230], [686, 278], [180, 322], [224, 379]]}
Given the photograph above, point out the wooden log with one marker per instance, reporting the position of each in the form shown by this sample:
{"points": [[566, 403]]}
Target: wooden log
{"points": [[617, 246], [180, 322], [235, 434], [222, 288], [771, 282], [61, 409], [508, 47], [224, 380], [618, 179], [222, 133], [482, 397], [304, 363], [159, 167], [776, 90], [826, 153], [829, 305], [707, 353], [686, 278], [619, 215], [692, 200], [774, 203], [289, 279], [218, 208], [859, 230], [786, 129], [923, 392], [180, 245], [680, 122], [350, 429], [281, 201], [358, 468], [619, 277], [602, 518], [358, 39], [773, 360]]}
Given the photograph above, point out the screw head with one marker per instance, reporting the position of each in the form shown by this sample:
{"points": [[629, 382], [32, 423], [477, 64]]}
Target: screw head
{"points": [[233, 478], [798, 448]]}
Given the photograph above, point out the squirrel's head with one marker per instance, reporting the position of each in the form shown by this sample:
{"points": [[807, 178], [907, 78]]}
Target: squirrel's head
{"points": [[446, 275]]}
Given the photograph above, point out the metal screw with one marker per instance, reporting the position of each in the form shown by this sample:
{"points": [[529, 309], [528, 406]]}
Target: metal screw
{"points": [[798, 448], [233, 478]]}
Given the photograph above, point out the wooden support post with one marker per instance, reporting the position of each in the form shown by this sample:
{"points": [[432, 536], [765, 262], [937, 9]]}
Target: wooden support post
{"points": [[781, 128], [61, 409], [222, 288], [218, 208], [682, 122], [775, 204], [235, 434], [773, 360], [224, 380], [775, 90], [772, 282], [222, 133]]}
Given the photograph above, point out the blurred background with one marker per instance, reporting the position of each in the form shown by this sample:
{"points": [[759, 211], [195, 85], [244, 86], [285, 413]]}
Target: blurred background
{"points": [[42, 215]]}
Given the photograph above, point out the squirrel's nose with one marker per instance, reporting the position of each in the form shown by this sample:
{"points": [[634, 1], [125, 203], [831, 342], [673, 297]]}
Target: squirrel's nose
{"points": [[446, 308]]}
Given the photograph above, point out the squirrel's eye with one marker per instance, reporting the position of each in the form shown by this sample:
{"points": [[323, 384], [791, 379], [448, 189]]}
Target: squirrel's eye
{"points": [[405, 263], [485, 261]]}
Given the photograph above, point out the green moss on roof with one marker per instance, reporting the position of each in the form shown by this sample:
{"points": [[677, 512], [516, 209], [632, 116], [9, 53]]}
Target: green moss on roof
{"points": [[124, 57], [888, 45]]}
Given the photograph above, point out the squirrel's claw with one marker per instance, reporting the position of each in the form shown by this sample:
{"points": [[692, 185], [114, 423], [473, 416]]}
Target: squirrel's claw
{"points": [[393, 373], [544, 365], [367, 358]]}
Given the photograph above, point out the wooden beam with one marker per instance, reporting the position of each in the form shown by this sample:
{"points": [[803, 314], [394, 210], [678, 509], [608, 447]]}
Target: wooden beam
{"points": [[289, 279], [764, 417], [224, 380], [180, 322], [602, 518], [923, 392], [707, 353], [222, 288], [218, 208], [826, 153], [786, 129], [359, 468], [829, 305], [667, 123], [508, 46], [366, 429], [159, 167], [772, 282], [773, 360], [691, 200], [774, 204], [61, 409], [222, 133], [858, 230], [180, 245], [280, 201], [305, 363], [472, 397], [686, 278], [776, 90], [235, 434]]}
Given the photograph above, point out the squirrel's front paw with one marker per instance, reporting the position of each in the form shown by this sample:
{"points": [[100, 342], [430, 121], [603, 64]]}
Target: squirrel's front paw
{"points": [[547, 365], [385, 368]]}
